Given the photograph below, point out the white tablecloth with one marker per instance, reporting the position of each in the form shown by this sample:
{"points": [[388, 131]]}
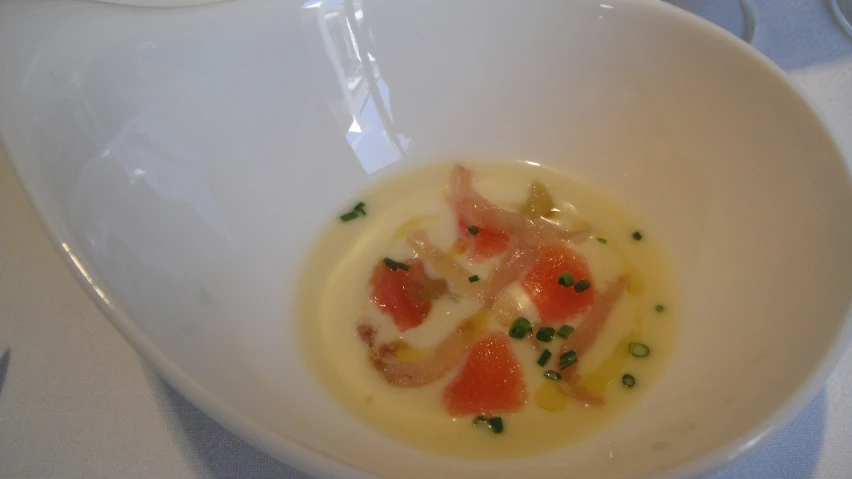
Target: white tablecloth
{"points": [[77, 402]]}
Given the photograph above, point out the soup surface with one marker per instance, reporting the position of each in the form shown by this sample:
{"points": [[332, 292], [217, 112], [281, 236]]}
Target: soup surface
{"points": [[486, 310]]}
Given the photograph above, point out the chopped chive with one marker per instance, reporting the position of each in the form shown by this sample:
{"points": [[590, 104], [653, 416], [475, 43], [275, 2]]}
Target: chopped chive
{"points": [[473, 278], [639, 350], [357, 211], [552, 375], [566, 279], [545, 334], [496, 424], [472, 229], [565, 331], [545, 356], [348, 216], [637, 235], [582, 285], [389, 263], [659, 308], [394, 265], [520, 328], [567, 359], [359, 208], [628, 380], [602, 240]]}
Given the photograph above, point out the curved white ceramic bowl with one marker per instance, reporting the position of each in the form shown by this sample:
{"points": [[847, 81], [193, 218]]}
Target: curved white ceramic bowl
{"points": [[184, 159]]}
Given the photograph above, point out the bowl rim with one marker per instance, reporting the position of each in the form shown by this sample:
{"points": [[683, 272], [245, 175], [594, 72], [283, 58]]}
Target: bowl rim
{"points": [[318, 464]]}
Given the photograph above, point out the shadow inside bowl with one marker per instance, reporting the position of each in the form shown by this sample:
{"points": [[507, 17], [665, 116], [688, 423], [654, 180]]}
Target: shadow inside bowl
{"points": [[792, 454], [4, 367]]}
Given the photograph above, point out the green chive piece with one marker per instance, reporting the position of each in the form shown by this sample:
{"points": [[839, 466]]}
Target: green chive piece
{"points": [[552, 375], [582, 285], [520, 328], [357, 211], [394, 265], [545, 356], [566, 279], [348, 216], [639, 350], [545, 334], [472, 229], [602, 240], [473, 278], [564, 331], [637, 235], [659, 308], [567, 359], [628, 380], [496, 424], [359, 208]]}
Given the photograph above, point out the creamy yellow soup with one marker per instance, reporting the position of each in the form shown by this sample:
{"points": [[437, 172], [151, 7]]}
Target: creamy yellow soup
{"points": [[335, 296]]}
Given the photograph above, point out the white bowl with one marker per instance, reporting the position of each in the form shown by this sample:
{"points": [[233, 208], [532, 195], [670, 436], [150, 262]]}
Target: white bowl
{"points": [[184, 159]]}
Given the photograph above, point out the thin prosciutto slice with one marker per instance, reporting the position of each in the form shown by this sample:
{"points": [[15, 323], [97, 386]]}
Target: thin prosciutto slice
{"points": [[496, 226], [506, 309], [512, 266], [446, 267], [491, 295], [585, 335], [429, 367]]}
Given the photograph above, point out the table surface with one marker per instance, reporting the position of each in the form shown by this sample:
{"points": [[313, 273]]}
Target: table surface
{"points": [[77, 402]]}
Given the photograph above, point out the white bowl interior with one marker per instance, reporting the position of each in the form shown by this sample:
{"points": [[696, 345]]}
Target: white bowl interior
{"points": [[186, 158]]}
